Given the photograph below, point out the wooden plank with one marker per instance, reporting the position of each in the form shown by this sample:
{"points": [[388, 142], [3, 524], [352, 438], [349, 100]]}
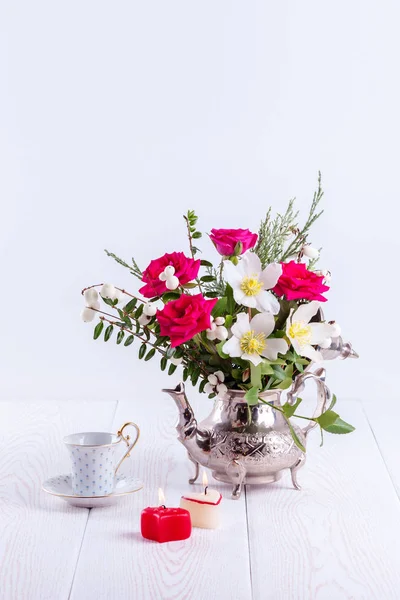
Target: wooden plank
{"points": [[116, 562], [385, 425], [338, 537], [41, 536]]}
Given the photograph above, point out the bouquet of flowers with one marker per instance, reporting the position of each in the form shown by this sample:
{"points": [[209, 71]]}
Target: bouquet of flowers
{"points": [[252, 321]]}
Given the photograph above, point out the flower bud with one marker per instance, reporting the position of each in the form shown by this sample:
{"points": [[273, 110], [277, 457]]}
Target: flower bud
{"points": [[208, 388], [172, 283], [108, 291], [310, 252], [213, 379], [90, 296], [150, 309], [87, 315], [222, 333], [219, 375]]}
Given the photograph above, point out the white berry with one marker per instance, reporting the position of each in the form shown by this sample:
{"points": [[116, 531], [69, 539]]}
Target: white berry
{"points": [[221, 389], [220, 320], [172, 283], [208, 388], [144, 319], [91, 296], [310, 252], [108, 291], [150, 309], [213, 379], [176, 361], [169, 271], [211, 334], [220, 376], [88, 315]]}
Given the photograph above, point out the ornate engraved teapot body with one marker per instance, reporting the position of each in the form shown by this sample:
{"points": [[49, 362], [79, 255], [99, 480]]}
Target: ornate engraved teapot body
{"points": [[251, 444], [245, 444]]}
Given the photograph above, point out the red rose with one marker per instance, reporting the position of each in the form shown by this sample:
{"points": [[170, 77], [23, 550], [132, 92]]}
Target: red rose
{"points": [[225, 240], [297, 283], [186, 269], [181, 319]]}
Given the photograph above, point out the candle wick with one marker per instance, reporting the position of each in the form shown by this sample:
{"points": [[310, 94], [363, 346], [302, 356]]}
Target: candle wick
{"points": [[205, 490], [163, 506]]}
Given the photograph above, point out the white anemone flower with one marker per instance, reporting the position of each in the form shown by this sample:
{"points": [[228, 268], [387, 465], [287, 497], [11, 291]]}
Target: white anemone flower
{"points": [[250, 339], [250, 282], [304, 335]]}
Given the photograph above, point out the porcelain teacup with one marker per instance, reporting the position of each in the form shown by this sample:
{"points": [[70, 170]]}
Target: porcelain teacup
{"points": [[94, 461]]}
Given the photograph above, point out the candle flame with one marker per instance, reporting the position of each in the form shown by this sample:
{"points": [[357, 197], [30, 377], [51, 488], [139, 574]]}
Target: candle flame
{"points": [[161, 497], [205, 479]]}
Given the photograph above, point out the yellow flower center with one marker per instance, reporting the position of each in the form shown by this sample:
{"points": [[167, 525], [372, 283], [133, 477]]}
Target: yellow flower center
{"points": [[251, 286], [253, 343], [301, 332]]}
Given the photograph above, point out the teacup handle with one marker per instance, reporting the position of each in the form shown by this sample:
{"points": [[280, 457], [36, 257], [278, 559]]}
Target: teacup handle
{"points": [[323, 393], [126, 440]]}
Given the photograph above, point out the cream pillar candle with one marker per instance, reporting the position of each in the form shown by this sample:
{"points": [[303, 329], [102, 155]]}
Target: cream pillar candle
{"points": [[204, 507]]}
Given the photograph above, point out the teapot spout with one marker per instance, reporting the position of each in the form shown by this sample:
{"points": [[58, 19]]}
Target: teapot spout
{"points": [[187, 424], [339, 349]]}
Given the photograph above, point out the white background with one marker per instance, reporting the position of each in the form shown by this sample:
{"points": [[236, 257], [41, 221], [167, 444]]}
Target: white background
{"points": [[115, 117]]}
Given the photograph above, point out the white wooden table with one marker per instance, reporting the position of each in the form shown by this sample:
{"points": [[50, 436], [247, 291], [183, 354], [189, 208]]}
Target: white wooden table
{"points": [[338, 538]]}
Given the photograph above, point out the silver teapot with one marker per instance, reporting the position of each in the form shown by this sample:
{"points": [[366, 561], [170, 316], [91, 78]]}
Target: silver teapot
{"points": [[245, 444]]}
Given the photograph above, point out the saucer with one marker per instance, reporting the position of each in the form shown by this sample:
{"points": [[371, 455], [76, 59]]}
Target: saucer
{"points": [[61, 486]]}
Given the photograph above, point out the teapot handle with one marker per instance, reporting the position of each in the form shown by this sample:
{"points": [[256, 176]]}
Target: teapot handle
{"points": [[323, 393]]}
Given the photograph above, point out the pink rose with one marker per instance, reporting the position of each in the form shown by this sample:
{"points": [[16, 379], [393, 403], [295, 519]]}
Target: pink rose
{"points": [[225, 240], [297, 283], [186, 269], [181, 319]]}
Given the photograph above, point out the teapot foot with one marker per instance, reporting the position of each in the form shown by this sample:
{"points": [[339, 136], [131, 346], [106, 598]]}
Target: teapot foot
{"points": [[236, 492], [237, 473], [197, 469], [294, 469]]}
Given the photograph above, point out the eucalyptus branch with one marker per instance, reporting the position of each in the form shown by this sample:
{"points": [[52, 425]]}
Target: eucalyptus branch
{"points": [[134, 268], [191, 220]]}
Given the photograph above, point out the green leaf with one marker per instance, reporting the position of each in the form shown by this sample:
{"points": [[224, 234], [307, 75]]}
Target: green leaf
{"points": [[206, 263], [108, 333], [120, 336], [230, 306], [266, 368], [139, 311], [98, 329], [129, 340], [172, 369], [150, 354], [142, 350], [207, 278], [295, 437], [211, 295], [185, 374], [127, 321], [168, 296], [331, 422], [285, 384], [290, 409], [202, 385], [197, 235], [255, 377], [189, 286], [170, 352], [219, 347], [228, 321], [163, 363], [195, 375], [332, 404], [108, 301], [252, 396], [131, 305], [238, 249], [220, 307]]}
